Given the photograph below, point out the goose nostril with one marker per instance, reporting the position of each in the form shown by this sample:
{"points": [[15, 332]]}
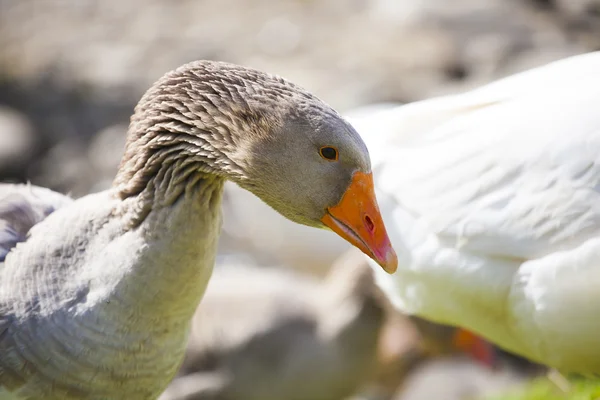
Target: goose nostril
{"points": [[369, 224]]}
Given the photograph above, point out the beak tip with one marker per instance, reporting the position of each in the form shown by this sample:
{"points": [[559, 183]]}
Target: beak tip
{"points": [[389, 263]]}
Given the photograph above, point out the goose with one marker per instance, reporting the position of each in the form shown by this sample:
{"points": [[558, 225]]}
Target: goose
{"points": [[492, 200], [96, 299]]}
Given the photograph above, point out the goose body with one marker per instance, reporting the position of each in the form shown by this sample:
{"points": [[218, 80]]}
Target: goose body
{"points": [[492, 198], [96, 299]]}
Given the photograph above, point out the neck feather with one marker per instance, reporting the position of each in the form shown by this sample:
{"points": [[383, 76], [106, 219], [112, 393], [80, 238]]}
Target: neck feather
{"points": [[180, 232]]}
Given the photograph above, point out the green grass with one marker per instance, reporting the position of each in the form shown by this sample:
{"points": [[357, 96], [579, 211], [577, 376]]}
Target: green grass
{"points": [[544, 389]]}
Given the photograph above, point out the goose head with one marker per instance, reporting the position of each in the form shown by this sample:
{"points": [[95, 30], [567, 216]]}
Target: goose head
{"points": [[268, 135]]}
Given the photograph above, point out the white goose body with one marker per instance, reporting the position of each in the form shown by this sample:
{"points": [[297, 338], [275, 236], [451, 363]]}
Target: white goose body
{"points": [[492, 200]]}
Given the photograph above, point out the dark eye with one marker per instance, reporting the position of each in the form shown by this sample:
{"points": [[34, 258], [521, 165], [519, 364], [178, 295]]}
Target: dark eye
{"points": [[329, 153]]}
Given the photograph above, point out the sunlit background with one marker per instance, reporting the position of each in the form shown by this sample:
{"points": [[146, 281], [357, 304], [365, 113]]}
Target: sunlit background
{"points": [[71, 72]]}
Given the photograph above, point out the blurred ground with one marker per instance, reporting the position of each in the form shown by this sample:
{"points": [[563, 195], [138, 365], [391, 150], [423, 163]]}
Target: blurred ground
{"points": [[75, 68], [71, 71]]}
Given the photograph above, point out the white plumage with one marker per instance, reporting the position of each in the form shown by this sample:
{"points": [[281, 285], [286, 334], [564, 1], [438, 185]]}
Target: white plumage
{"points": [[491, 199]]}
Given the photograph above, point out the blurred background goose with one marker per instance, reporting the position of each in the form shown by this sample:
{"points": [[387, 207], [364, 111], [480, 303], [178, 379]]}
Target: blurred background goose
{"points": [[96, 301], [494, 205]]}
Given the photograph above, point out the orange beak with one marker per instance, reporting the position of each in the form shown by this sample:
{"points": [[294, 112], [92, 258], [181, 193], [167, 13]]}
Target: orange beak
{"points": [[357, 219]]}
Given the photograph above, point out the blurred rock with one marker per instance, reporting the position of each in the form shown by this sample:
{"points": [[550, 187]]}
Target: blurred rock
{"points": [[456, 379], [65, 166], [279, 37], [579, 8], [104, 153], [17, 143]]}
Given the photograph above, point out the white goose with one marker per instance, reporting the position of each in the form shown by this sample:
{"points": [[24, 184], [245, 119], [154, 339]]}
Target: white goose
{"points": [[492, 200]]}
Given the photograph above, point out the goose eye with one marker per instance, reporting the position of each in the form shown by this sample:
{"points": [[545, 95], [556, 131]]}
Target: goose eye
{"points": [[329, 153]]}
